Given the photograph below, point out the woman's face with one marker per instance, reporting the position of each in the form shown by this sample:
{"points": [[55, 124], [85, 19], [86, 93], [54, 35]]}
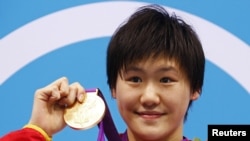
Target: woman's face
{"points": [[153, 97]]}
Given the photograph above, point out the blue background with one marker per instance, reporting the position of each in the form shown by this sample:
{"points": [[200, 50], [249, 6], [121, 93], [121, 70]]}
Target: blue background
{"points": [[223, 100]]}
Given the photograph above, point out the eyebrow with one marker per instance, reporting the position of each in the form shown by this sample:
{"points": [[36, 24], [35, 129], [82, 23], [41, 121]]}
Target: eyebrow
{"points": [[162, 69], [133, 68]]}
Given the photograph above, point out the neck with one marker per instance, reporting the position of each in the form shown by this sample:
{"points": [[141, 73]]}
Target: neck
{"points": [[128, 136]]}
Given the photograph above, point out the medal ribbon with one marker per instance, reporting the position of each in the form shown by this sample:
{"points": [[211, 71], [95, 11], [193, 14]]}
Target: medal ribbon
{"points": [[107, 126]]}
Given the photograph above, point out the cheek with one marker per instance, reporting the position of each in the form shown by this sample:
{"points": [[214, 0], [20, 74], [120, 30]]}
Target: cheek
{"points": [[125, 96], [126, 105], [177, 103], [125, 100]]}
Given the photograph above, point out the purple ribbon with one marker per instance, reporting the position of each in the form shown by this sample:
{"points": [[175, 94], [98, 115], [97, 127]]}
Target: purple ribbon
{"points": [[101, 136], [107, 126]]}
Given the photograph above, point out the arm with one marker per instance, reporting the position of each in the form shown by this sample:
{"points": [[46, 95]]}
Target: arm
{"points": [[48, 108]]}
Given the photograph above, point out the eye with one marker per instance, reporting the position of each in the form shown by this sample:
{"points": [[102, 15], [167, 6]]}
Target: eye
{"points": [[165, 80], [135, 79]]}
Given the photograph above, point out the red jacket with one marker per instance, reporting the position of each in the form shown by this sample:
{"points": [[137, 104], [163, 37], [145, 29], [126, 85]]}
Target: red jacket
{"points": [[28, 133], [25, 134]]}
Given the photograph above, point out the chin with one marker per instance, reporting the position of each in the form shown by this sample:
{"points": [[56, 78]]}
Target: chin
{"points": [[149, 133]]}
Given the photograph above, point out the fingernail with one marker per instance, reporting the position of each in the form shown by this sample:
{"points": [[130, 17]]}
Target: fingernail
{"points": [[81, 97]]}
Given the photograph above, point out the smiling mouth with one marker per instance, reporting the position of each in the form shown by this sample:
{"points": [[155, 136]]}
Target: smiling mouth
{"points": [[150, 114]]}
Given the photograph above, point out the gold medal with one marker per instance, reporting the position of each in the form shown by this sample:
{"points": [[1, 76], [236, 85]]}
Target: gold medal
{"points": [[87, 114]]}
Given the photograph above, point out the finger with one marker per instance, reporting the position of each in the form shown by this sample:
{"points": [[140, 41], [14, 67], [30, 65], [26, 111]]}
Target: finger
{"points": [[76, 92], [54, 91], [69, 99], [80, 92], [48, 93], [62, 85]]}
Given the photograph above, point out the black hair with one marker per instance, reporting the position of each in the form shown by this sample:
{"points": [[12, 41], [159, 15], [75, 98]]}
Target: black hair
{"points": [[151, 32]]}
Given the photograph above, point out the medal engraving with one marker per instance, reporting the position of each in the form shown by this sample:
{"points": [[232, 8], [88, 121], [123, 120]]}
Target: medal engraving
{"points": [[87, 114]]}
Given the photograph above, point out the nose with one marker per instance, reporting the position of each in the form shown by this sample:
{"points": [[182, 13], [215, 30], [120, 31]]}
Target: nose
{"points": [[150, 97]]}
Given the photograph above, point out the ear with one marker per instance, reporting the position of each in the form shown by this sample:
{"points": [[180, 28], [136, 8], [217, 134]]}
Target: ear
{"points": [[195, 95], [113, 92]]}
